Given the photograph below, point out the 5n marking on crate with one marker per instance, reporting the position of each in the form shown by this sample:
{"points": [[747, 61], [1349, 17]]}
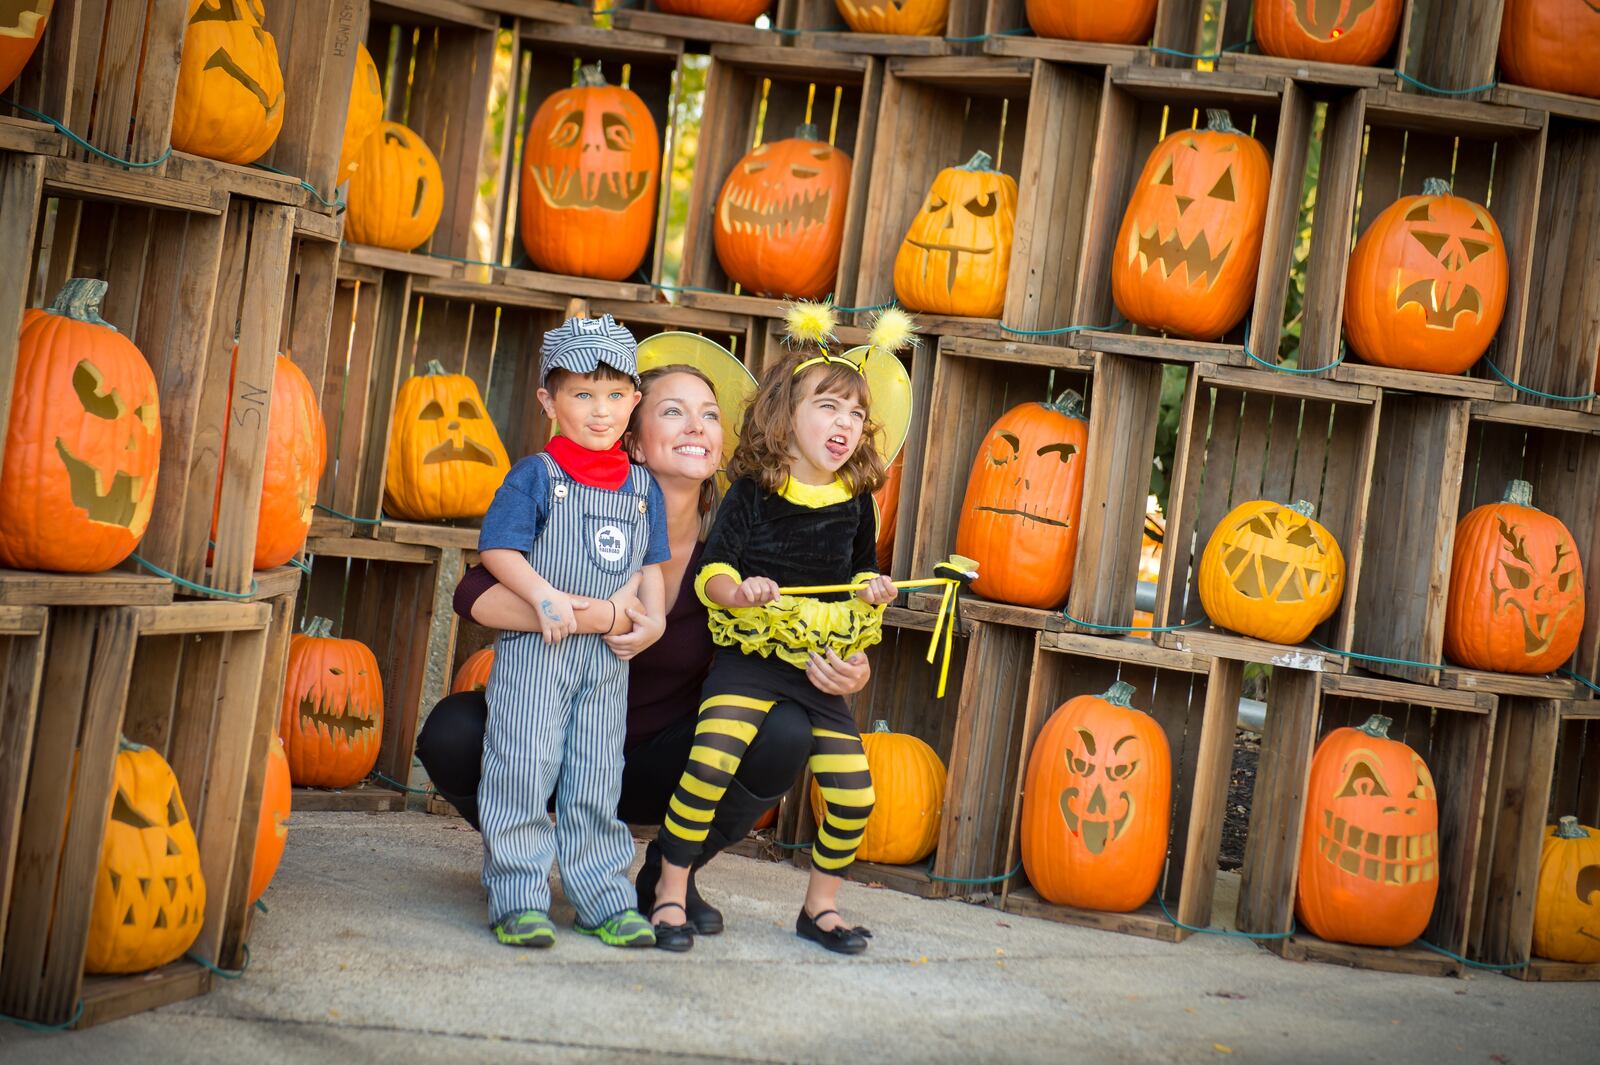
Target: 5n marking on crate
{"points": [[250, 399]]}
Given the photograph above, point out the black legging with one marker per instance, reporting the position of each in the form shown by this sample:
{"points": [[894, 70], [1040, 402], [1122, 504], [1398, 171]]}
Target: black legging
{"points": [[450, 747]]}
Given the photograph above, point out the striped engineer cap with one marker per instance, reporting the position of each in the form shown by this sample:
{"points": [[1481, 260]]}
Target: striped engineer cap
{"points": [[580, 345]]}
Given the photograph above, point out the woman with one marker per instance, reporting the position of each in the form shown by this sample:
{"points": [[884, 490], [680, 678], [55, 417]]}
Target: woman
{"points": [[677, 432]]}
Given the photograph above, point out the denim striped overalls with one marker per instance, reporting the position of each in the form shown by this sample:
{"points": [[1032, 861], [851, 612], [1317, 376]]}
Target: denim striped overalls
{"points": [[557, 717]]}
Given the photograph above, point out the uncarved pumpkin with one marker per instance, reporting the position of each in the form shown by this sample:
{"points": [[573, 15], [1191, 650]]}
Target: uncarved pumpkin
{"points": [[1369, 852], [718, 10], [1271, 571], [1186, 256], [229, 103], [445, 455], [1129, 22], [908, 779], [1551, 45], [332, 716], [956, 256], [888, 501], [272, 827], [1019, 517], [397, 192], [84, 444], [1566, 902], [1516, 588], [913, 18], [1096, 805], [21, 29], [364, 114], [473, 676], [1356, 32]]}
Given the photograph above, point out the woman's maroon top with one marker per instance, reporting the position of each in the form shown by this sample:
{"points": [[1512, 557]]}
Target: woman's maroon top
{"points": [[664, 679]]}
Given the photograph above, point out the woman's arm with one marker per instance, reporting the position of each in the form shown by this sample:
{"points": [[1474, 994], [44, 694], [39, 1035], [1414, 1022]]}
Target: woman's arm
{"points": [[648, 619], [497, 607]]}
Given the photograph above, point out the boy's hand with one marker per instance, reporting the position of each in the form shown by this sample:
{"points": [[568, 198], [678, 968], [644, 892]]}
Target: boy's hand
{"points": [[647, 629], [556, 616], [880, 590], [753, 591]]}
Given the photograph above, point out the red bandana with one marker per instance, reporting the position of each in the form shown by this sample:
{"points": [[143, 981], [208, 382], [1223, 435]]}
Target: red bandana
{"points": [[597, 469]]}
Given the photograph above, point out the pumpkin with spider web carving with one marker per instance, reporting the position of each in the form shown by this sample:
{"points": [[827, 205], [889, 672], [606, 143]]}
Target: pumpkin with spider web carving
{"points": [[1271, 571]]}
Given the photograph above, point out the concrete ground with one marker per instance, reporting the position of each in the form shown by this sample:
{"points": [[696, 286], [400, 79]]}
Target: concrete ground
{"points": [[376, 949]]}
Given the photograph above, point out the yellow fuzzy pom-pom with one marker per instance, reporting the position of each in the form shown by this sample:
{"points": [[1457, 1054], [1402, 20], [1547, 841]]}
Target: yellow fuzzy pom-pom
{"points": [[892, 330], [810, 323]]}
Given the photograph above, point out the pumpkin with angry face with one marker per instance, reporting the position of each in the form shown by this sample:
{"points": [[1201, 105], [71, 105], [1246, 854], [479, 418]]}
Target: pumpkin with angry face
{"points": [[1186, 256], [21, 30], [1096, 806], [230, 87], [957, 254], [149, 894], [1566, 908], [1019, 518], [1357, 32], [1369, 852], [397, 193], [1271, 571], [1427, 283], [1130, 22], [364, 114], [84, 444], [913, 18], [1516, 588], [1552, 45], [445, 455], [591, 163], [780, 217], [332, 716]]}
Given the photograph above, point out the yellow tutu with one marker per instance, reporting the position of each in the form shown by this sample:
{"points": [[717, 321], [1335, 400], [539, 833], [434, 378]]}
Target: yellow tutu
{"points": [[793, 626]]}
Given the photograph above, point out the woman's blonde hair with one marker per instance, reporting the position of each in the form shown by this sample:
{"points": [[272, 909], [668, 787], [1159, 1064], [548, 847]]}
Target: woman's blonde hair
{"points": [[763, 451], [710, 493]]}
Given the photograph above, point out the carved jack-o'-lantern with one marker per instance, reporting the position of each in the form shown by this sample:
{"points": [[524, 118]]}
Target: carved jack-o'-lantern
{"points": [[914, 18], [1566, 907], [364, 113], [1516, 588], [591, 163], [397, 193], [84, 443], [717, 10], [473, 676], [1096, 804], [21, 30], [1271, 571], [1552, 45], [1427, 283], [1186, 256], [149, 895], [1369, 854], [272, 827], [1126, 22], [1327, 31], [780, 217], [332, 716], [230, 87], [1019, 518], [957, 254], [445, 455]]}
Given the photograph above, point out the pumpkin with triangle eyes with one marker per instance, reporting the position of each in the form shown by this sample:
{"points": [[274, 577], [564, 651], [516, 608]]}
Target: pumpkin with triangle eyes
{"points": [[1355, 32], [364, 114], [84, 444], [397, 193], [445, 455], [956, 256], [913, 18], [1369, 851], [229, 104], [1566, 908], [1186, 256], [1271, 571], [1126, 22], [1427, 283], [149, 894], [332, 716], [780, 217], [21, 29], [1516, 588], [272, 827], [1552, 45]]}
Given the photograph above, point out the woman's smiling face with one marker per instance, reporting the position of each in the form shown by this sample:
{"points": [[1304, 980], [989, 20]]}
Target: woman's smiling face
{"points": [[677, 431]]}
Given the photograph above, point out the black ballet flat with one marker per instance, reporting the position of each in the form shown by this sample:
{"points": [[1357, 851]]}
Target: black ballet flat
{"points": [[706, 918], [674, 937], [841, 940]]}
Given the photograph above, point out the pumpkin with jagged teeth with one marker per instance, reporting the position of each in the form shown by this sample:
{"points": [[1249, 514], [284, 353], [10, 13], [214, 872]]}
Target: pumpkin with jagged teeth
{"points": [[332, 714]]}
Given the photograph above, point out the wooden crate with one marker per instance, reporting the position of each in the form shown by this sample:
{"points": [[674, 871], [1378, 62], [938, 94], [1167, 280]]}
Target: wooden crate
{"points": [[317, 46], [644, 16], [1178, 24], [1320, 438], [1139, 106], [184, 678], [1236, 30], [23, 633], [818, 24], [1468, 62], [1195, 700], [757, 95], [1454, 733]]}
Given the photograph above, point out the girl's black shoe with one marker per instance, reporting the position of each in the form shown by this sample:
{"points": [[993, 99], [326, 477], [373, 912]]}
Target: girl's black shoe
{"points": [[841, 940], [674, 937], [706, 918]]}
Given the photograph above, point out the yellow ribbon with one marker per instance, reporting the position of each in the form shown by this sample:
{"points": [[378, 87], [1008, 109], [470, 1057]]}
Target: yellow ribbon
{"points": [[825, 357]]}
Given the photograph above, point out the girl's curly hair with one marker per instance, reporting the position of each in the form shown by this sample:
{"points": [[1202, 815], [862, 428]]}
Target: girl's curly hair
{"points": [[763, 451]]}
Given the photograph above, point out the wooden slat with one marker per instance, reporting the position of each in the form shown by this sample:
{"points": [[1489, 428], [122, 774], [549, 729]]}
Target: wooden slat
{"points": [[1277, 805], [21, 671], [21, 184], [1210, 792]]}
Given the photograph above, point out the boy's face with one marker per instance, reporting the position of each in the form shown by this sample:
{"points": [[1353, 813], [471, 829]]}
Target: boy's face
{"points": [[592, 411]]}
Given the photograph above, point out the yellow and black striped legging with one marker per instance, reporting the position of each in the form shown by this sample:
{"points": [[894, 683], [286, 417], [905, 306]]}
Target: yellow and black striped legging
{"points": [[726, 725]]}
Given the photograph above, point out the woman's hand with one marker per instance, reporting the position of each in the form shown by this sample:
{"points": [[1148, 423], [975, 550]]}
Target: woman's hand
{"points": [[647, 629], [880, 590], [753, 591], [839, 676]]}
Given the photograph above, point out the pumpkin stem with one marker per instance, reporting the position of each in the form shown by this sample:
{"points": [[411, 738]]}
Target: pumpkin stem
{"points": [[1568, 828], [1218, 120], [1376, 726], [807, 131], [435, 368], [318, 628], [981, 161], [1120, 694], [591, 77], [1435, 186], [1519, 493], [1068, 403], [125, 744], [80, 299], [881, 725], [1305, 508]]}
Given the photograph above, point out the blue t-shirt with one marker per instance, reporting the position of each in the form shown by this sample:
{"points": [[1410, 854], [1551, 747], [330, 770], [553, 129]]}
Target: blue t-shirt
{"points": [[521, 506]]}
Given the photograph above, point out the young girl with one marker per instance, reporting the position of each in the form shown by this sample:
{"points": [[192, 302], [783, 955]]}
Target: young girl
{"points": [[798, 514]]}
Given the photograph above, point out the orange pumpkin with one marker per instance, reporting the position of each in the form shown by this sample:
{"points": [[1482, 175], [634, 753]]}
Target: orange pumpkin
{"points": [[397, 193], [1369, 852], [767, 820], [591, 163], [473, 676], [909, 780], [1566, 908], [1552, 45], [332, 717], [446, 459], [364, 113], [956, 256], [1131, 22], [272, 828], [1186, 256], [229, 102], [717, 10], [1427, 283], [1356, 32], [84, 444], [888, 501], [1019, 518], [780, 217], [21, 30], [915, 18], [1096, 805], [1271, 571], [1516, 588]]}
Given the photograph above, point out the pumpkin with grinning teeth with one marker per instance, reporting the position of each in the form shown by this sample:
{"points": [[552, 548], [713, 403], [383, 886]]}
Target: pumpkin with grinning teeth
{"points": [[229, 103], [21, 29], [332, 716]]}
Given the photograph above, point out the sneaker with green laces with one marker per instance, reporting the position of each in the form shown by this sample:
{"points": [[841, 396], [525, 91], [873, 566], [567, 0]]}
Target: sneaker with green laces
{"points": [[625, 929], [527, 928]]}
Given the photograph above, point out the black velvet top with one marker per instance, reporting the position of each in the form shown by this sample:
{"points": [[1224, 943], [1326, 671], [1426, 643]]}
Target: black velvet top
{"points": [[794, 537]]}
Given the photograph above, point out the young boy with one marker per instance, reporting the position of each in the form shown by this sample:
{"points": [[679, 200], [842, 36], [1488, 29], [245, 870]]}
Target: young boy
{"points": [[567, 530]]}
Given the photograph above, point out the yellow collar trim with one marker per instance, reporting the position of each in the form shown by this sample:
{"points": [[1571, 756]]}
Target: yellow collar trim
{"points": [[815, 496]]}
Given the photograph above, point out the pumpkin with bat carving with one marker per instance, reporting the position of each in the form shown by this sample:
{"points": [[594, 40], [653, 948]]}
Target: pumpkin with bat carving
{"points": [[445, 455], [230, 97], [1126, 22], [1566, 902], [913, 18], [1552, 45], [331, 719], [84, 443], [397, 193], [1355, 32], [956, 256], [21, 29], [363, 115], [1271, 571]]}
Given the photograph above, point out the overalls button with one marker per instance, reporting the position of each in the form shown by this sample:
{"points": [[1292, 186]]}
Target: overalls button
{"points": [[560, 491]]}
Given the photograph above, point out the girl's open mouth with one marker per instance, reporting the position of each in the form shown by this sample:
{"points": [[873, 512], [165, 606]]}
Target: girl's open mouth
{"points": [[838, 446]]}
